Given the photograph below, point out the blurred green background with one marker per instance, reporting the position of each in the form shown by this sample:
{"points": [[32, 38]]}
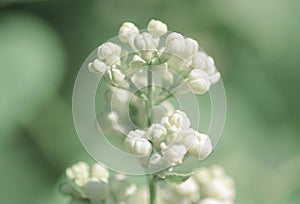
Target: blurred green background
{"points": [[256, 45]]}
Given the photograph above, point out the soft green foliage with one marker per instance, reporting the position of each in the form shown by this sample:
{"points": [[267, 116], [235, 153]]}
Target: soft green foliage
{"points": [[176, 178], [256, 45]]}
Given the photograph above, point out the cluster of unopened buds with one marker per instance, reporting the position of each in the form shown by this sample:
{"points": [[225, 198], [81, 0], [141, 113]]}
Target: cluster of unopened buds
{"points": [[170, 53], [142, 71], [95, 185], [173, 140]]}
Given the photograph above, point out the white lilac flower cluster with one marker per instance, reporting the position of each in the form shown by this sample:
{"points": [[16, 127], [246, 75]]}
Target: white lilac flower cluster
{"points": [[206, 186], [148, 125], [183, 66], [172, 139], [170, 51], [93, 185]]}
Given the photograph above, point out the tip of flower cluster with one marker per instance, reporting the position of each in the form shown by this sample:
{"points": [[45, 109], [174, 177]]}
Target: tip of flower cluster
{"points": [[177, 54]]}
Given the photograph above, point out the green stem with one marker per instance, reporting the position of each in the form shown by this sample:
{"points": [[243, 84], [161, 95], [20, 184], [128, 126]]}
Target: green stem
{"points": [[151, 178], [152, 183], [149, 93], [163, 99], [134, 88]]}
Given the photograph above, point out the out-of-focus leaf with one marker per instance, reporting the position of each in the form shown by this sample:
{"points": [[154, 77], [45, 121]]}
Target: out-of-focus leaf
{"points": [[31, 66], [176, 178]]}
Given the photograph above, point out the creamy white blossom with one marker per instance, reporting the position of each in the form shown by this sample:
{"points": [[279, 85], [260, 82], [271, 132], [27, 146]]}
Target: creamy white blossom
{"points": [[175, 44], [97, 66], [136, 143], [216, 184], [174, 154], [100, 173], [137, 62], [220, 188], [182, 47], [157, 28], [79, 172], [145, 41], [157, 134], [188, 189], [198, 81], [190, 48], [185, 193], [176, 121], [161, 110], [110, 52], [114, 76], [206, 63], [128, 31], [198, 144]]}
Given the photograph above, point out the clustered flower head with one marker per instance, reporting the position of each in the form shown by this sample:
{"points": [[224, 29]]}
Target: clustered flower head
{"points": [[94, 185], [197, 189], [216, 185], [171, 52], [172, 138], [140, 116]]}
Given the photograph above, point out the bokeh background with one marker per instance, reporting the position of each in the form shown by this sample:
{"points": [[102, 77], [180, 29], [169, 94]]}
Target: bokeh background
{"points": [[256, 45]]}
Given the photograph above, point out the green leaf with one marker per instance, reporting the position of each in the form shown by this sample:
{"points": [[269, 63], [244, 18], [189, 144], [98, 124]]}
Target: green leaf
{"points": [[175, 178]]}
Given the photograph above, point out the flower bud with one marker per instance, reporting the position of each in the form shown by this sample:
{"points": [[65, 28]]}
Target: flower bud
{"points": [[175, 44], [110, 52], [100, 173], [159, 111], [157, 28], [216, 184], [199, 61], [191, 47], [137, 144], [128, 31], [189, 189], [137, 62], [197, 144], [156, 133], [114, 76], [217, 171], [79, 173], [146, 44], [202, 176], [198, 81], [145, 41], [210, 201], [212, 71], [97, 66], [218, 188], [96, 191], [174, 154], [206, 63], [180, 120]]}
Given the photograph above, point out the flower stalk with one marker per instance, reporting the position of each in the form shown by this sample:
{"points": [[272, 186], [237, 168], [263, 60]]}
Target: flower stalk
{"points": [[152, 190], [149, 93]]}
